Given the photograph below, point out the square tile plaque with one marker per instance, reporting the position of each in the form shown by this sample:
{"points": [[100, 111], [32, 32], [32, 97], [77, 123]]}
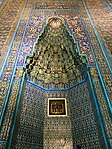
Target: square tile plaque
{"points": [[57, 107]]}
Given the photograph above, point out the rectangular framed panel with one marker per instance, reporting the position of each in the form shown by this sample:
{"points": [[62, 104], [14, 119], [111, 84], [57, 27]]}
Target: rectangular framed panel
{"points": [[57, 107]]}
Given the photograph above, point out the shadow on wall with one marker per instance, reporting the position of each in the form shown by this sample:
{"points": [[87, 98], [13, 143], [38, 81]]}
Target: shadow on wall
{"points": [[78, 147]]}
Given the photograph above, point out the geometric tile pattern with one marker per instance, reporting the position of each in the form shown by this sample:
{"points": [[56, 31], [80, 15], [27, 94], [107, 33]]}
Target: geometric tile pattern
{"points": [[55, 62], [89, 24]]}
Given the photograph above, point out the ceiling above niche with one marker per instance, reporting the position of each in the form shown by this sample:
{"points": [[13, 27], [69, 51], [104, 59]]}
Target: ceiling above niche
{"points": [[55, 62]]}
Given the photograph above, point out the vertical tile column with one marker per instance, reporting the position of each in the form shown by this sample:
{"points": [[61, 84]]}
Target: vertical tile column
{"points": [[57, 130]]}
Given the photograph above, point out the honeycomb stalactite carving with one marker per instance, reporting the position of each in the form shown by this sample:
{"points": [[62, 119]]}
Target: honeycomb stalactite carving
{"points": [[55, 62]]}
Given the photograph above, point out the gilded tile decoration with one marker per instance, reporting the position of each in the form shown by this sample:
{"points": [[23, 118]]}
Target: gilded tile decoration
{"points": [[62, 66], [8, 22], [55, 50], [57, 107]]}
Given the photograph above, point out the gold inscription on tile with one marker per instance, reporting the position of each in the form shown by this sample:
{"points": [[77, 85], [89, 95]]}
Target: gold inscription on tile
{"points": [[57, 107]]}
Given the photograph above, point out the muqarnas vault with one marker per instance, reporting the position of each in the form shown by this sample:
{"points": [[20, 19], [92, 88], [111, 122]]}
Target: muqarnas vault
{"points": [[57, 95], [55, 72]]}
